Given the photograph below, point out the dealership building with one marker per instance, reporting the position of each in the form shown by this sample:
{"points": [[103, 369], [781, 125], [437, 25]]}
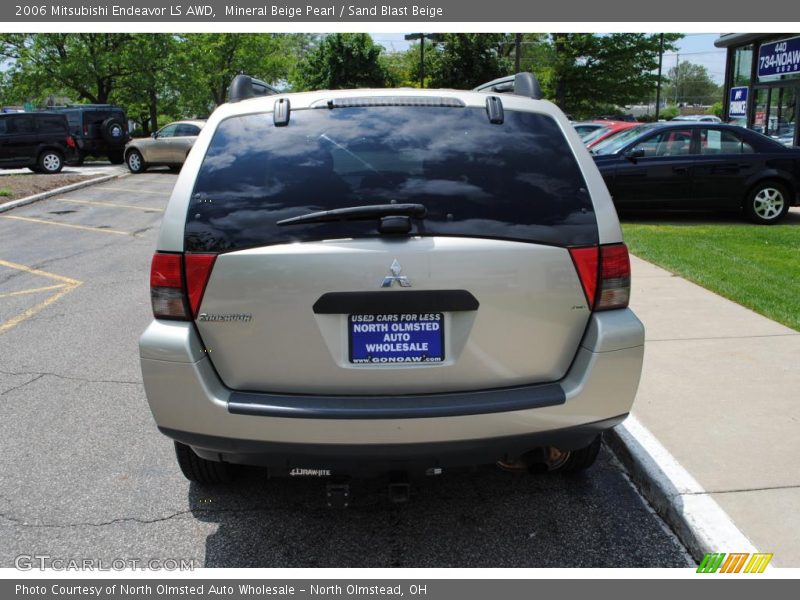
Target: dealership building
{"points": [[762, 83]]}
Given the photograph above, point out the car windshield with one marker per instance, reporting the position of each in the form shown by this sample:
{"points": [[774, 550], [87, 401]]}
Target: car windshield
{"points": [[597, 133], [516, 180], [618, 141]]}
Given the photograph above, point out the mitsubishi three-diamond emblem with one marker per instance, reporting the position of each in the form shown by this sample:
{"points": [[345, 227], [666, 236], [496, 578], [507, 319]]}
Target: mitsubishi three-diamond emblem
{"points": [[395, 271]]}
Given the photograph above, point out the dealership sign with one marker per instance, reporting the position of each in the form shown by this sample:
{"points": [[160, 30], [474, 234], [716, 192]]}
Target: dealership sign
{"points": [[737, 106], [779, 58]]}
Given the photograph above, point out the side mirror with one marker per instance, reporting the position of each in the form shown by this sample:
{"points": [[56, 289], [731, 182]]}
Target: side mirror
{"points": [[154, 135], [634, 153]]}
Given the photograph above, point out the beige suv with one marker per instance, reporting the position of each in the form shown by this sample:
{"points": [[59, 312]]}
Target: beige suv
{"points": [[389, 281], [168, 147]]}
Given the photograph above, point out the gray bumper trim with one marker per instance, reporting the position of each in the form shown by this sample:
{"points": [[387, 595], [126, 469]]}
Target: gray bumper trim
{"points": [[368, 457], [396, 407]]}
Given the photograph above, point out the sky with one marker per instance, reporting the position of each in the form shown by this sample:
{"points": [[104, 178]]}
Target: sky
{"points": [[697, 48]]}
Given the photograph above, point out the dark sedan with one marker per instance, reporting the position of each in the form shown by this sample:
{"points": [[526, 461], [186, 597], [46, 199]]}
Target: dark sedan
{"points": [[700, 166]]}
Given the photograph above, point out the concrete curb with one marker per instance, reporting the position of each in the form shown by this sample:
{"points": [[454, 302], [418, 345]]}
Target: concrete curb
{"points": [[698, 521], [62, 190]]}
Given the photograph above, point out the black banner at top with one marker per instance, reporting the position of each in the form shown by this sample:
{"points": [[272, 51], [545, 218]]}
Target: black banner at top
{"points": [[362, 11]]}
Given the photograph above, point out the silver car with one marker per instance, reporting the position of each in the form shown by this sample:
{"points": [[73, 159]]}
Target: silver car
{"points": [[169, 146], [389, 280]]}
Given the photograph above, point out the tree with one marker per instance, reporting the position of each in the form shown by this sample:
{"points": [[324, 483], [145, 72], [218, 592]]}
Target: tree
{"points": [[465, 60], [148, 91], [341, 60], [587, 73], [207, 63], [691, 83], [86, 66]]}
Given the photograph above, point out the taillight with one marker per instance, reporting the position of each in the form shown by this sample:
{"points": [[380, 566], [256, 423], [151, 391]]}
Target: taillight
{"points": [[585, 260], [166, 287], [615, 277], [70, 142], [177, 284], [605, 274], [86, 130], [198, 269]]}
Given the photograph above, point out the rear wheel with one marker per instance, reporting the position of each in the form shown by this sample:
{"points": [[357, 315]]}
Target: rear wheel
{"points": [[50, 162], [767, 203], [199, 469], [117, 157], [135, 162], [575, 461]]}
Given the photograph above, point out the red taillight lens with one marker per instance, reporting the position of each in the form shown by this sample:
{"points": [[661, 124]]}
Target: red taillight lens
{"points": [[605, 274], [586, 260], [166, 287], [615, 277], [198, 269], [70, 141], [172, 296]]}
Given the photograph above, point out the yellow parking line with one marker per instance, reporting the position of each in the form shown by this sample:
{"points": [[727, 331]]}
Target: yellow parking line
{"points": [[33, 290], [65, 288], [32, 271], [84, 227], [112, 204], [119, 189], [35, 309]]}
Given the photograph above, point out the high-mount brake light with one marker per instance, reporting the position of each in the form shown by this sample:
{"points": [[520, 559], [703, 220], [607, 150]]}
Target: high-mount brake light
{"points": [[605, 274], [177, 284]]}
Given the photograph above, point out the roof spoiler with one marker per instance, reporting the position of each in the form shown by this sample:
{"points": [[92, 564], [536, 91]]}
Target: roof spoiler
{"points": [[521, 84], [243, 87]]}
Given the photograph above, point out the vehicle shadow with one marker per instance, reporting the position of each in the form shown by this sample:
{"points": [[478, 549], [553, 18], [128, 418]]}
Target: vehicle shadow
{"points": [[710, 218], [482, 517]]}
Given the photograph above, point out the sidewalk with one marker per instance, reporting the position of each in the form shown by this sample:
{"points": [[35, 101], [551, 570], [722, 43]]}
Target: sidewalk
{"points": [[720, 390]]}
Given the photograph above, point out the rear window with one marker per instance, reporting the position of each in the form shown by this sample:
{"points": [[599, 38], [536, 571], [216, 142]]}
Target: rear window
{"points": [[517, 181]]}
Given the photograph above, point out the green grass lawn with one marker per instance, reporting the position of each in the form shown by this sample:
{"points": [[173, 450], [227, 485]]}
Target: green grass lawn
{"points": [[756, 266]]}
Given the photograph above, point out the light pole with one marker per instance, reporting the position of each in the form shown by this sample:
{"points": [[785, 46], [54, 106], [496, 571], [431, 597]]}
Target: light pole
{"points": [[434, 37]]}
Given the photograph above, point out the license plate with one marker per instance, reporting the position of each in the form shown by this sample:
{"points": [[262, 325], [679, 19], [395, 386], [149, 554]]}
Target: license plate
{"points": [[396, 338]]}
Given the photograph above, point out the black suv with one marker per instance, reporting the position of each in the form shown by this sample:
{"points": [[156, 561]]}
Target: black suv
{"points": [[40, 141], [98, 129]]}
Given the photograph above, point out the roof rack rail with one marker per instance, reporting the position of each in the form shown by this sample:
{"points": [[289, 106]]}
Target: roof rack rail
{"points": [[521, 84], [243, 87]]}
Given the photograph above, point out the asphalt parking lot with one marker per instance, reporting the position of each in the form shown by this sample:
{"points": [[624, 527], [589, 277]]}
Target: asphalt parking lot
{"points": [[85, 473]]}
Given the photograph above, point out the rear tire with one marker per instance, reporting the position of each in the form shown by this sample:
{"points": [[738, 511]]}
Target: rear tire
{"points": [[767, 203], [135, 162], [581, 459], [200, 470], [50, 162], [117, 157]]}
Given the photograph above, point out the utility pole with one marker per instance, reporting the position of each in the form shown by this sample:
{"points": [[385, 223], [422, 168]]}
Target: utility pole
{"points": [[677, 75], [434, 37], [517, 47], [658, 86]]}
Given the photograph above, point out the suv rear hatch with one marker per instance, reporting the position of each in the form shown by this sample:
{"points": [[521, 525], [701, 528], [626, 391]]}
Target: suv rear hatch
{"points": [[482, 292]]}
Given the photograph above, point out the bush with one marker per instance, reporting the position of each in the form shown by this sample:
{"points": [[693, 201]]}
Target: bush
{"points": [[670, 112]]}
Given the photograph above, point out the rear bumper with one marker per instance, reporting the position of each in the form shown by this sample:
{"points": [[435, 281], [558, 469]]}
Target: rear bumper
{"points": [[190, 404]]}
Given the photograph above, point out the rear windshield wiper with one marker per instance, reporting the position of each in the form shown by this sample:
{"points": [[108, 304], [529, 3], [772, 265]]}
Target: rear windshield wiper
{"points": [[355, 213]]}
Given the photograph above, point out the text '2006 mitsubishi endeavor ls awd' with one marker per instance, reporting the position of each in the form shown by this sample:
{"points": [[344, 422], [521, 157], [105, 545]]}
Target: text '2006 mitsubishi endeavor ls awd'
{"points": [[389, 280]]}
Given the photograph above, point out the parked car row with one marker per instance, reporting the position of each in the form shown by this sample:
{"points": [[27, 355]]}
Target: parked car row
{"points": [[44, 141]]}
